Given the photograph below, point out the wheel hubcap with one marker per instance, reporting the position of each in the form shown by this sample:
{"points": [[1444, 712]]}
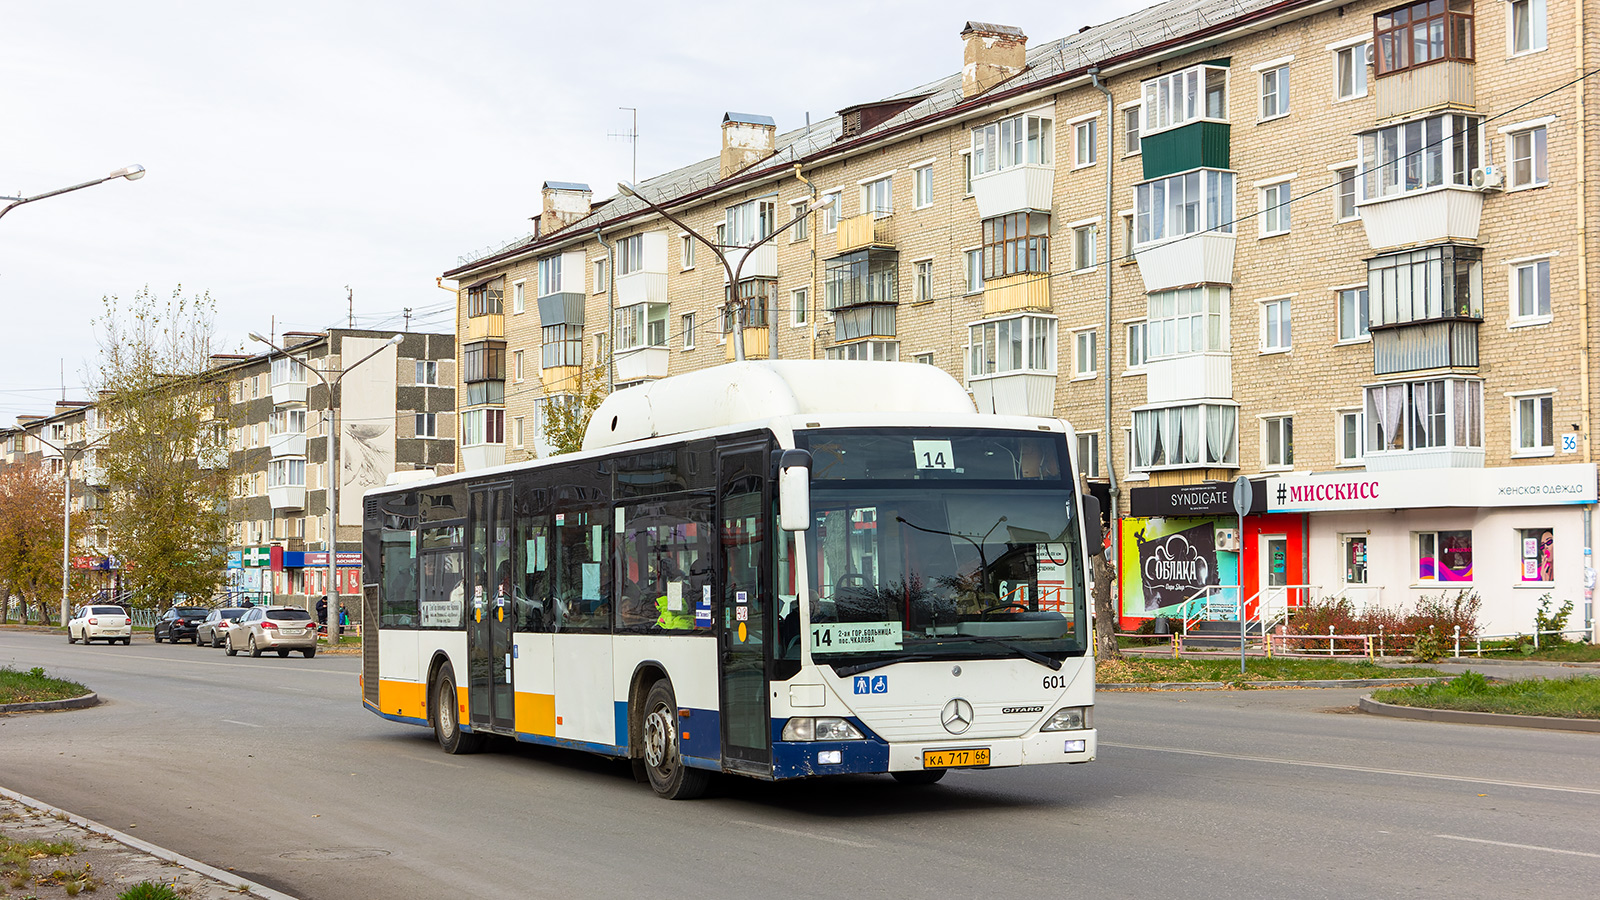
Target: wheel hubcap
{"points": [[447, 717], [658, 738]]}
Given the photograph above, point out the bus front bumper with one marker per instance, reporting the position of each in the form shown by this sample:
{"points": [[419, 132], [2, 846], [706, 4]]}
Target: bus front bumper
{"points": [[799, 759]]}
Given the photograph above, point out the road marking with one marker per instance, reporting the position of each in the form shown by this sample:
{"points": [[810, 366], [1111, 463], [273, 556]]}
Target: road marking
{"points": [[1367, 769], [437, 762], [806, 834], [1456, 837], [245, 724]]}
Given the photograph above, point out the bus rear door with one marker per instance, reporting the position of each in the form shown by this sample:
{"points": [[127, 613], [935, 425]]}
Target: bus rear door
{"points": [[490, 615]]}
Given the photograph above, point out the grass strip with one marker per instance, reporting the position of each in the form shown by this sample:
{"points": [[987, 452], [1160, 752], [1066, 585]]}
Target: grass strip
{"points": [[1146, 670], [1570, 698], [34, 686]]}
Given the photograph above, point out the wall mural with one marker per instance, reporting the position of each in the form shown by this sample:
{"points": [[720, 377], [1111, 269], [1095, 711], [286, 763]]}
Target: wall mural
{"points": [[1164, 561]]}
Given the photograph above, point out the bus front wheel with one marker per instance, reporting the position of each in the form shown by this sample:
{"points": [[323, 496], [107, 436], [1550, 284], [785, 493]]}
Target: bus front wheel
{"points": [[662, 760], [919, 776], [446, 724]]}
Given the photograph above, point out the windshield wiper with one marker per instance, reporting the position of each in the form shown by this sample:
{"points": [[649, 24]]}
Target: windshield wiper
{"points": [[1018, 649], [858, 668]]}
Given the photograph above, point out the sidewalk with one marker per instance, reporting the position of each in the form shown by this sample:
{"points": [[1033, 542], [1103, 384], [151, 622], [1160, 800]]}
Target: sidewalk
{"points": [[116, 860]]}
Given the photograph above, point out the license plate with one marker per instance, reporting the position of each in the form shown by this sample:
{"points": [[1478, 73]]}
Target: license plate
{"points": [[295, 631], [954, 759]]}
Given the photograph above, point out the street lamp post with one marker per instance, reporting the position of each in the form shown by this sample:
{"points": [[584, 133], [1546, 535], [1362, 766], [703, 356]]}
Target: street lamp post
{"points": [[132, 173], [332, 476], [733, 271], [66, 507]]}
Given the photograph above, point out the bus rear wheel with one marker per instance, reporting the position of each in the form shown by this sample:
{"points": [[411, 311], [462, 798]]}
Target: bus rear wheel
{"points": [[663, 762], [446, 725]]}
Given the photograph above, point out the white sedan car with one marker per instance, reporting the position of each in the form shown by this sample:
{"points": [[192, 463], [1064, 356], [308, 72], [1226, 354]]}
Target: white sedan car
{"points": [[98, 622]]}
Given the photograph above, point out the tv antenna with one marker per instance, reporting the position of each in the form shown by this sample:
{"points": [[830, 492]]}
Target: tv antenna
{"points": [[632, 137]]}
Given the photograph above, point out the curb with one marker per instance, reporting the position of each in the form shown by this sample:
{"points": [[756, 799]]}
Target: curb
{"points": [[1256, 685], [230, 879], [1466, 717], [1492, 661], [84, 702]]}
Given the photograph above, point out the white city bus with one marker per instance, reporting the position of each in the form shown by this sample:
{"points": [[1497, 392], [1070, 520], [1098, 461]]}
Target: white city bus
{"points": [[777, 570]]}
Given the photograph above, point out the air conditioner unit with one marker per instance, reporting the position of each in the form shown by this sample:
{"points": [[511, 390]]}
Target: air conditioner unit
{"points": [[1228, 539], [1488, 178], [1371, 54]]}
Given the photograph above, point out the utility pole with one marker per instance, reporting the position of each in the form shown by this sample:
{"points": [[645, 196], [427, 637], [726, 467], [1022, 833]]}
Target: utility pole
{"points": [[351, 297], [406, 312], [632, 137]]}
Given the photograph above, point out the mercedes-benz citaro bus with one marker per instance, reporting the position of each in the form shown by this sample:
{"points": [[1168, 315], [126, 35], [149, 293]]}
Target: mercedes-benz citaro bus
{"points": [[772, 569]]}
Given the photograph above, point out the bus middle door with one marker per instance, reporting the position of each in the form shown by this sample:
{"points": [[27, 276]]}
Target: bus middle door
{"points": [[491, 617], [744, 567]]}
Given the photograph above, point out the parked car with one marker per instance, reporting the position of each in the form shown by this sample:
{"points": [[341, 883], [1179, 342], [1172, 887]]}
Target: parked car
{"points": [[179, 623], [209, 632], [100, 622], [280, 628]]}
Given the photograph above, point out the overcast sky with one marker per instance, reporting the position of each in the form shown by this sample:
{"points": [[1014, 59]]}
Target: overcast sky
{"points": [[297, 148]]}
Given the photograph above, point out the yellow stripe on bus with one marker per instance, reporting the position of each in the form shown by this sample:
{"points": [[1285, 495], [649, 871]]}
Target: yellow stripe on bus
{"points": [[536, 714], [403, 698]]}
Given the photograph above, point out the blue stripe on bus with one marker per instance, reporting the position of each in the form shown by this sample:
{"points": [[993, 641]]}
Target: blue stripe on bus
{"points": [[704, 727], [798, 759], [409, 720], [571, 744]]}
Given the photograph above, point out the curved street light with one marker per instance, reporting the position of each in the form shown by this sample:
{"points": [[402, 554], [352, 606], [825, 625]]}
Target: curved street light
{"points": [[132, 173]]}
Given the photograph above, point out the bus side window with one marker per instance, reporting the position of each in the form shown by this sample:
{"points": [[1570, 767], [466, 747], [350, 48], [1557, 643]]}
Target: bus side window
{"points": [[399, 579], [583, 571]]}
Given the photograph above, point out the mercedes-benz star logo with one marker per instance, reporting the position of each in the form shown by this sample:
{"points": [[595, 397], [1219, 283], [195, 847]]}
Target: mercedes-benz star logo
{"points": [[957, 716]]}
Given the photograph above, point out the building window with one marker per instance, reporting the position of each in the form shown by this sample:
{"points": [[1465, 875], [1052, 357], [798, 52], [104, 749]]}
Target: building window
{"points": [[1017, 344], [1275, 209], [516, 364], [289, 472], [877, 351], [483, 361], [1444, 556], [519, 297], [1353, 551], [1421, 33], [1085, 143], [1184, 204], [1275, 325], [974, 271], [1187, 321], [1349, 437], [1084, 359], [1089, 454], [1538, 553], [1442, 282], [1353, 321], [1530, 292], [866, 276], [561, 345], [831, 212], [922, 186], [1184, 96], [1277, 437], [1275, 92], [1527, 25], [686, 250], [1424, 415], [1528, 162], [748, 223], [966, 171], [922, 281], [1419, 154], [549, 276], [287, 370], [1136, 345], [800, 306], [688, 331], [1344, 194], [427, 371], [485, 301], [600, 274], [1533, 433], [1016, 141], [925, 359], [1203, 434], [801, 229], [1083, 249], [1016, 243], [1130, 130], [755, 296], [630, 258], [877, 197], [1350, 71], [427, 425], [516, 432], [641, 325], [483, 426]]}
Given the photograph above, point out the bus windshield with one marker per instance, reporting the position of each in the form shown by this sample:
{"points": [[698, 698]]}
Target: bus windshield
{"points": [[979, 558]]}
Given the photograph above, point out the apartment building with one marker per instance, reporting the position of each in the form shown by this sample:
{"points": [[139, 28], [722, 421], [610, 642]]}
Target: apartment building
{"points": [[1199, 233], [65, 441]]}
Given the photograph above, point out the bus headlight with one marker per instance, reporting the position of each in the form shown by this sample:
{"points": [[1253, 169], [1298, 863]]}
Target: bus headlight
{"points": [[1069, 718], [820, 728]]}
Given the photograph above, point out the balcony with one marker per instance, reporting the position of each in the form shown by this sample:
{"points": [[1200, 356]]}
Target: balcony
{"points": [[1029, 290], [1442, 85], [289, 443], [1205, 258], [641, 363], [1423, 217], [560, 379], [1433, 458], [1196, 145], [1436, 344], [288, 392], [287, 496], [1026, 186], [858, 322], [755, 344], [762, 262], [1015, 393], [1195, 376], [479, 328], [641, 287], [564, 308], [866, 232], [483, 456]]}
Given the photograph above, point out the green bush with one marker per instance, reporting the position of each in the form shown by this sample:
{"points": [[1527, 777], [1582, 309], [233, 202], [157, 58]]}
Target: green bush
{"points": [[1546, 621], [1427, 631], [149, 890]]}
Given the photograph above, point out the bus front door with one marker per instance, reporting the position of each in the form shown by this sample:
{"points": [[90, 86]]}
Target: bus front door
{"points": [[490, 614], [743, 626]]}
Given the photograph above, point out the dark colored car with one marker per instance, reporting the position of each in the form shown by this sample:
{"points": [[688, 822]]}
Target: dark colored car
{"points": [[180, 623]]}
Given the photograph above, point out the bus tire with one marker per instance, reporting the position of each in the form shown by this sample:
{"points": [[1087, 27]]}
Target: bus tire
{"points": [[919, 776], [658, 731], [446, 724]]}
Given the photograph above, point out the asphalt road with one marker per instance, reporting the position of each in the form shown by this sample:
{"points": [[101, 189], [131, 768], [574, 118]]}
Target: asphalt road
{"points": [[272, 768]]}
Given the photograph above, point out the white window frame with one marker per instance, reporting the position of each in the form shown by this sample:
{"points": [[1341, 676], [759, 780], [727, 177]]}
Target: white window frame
{"points": [[550, 275], [1085, 359], [1341, 185], [601, 271], [1079, 228], [1213, 209], [1272, 431], [1533, 264], [925, 359], [1134, 111], [519, 296], [1092, 470], [832, 213], [517, 434], [1361, 337], [876, 350], [1085, 140], [1538, 133], [1538, 29], [973, 258], [873, 205], [1135, 337], [797, 210], [1275, 72], [1541, 404], [1164, 423], [516, 365], [1275, 198], [427, 369], [1170, 86], [1035, 151], [686, 322], [922, 185], [800, 307], [966, 172], [1204, 308], [922, 288], [1354, 49], [1340, 416], [1281, 339], [686, 243], [1440, 423], [431, 420], [1037, 347]]}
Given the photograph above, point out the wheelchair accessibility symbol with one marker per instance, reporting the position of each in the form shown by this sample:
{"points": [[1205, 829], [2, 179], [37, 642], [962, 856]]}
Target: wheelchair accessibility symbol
{"points": [[871, 684]]}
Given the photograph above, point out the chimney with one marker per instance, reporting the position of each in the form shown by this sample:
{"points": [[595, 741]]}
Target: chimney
{"points": [[993, 53], [565, 202], [746, 140]]}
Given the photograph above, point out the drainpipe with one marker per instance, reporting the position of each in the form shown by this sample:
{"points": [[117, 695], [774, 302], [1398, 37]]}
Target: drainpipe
{"points": [[611, 311], [1580, 134], [811, 272], [1111, 468]]}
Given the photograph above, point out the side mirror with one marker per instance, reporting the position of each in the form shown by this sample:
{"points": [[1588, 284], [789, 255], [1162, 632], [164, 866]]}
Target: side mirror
{"points": [[1092, 531], [794, 490]]}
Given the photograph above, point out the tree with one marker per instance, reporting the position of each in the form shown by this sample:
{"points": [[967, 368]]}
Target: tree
{"points": [[568, 410], [30, 539], [165, 457]]}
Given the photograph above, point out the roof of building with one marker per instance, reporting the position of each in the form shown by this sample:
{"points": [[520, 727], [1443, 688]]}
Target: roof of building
{"points": [[748, 119], [565, 186]]}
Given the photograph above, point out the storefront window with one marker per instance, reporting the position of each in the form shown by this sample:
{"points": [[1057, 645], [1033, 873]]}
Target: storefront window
{"points": [[1444, 556], [1538, 547], [1355, 558]]}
